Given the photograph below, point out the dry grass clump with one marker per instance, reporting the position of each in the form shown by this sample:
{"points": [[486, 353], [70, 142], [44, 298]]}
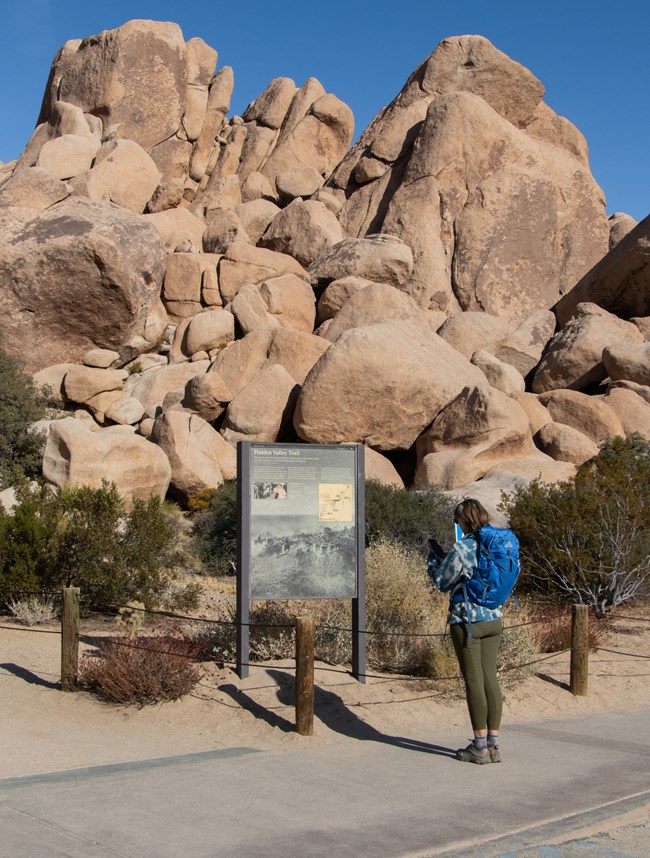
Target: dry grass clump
{"points": [[141, 671], [33, 610]]}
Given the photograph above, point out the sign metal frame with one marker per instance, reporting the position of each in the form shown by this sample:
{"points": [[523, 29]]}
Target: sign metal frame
{"points": [[245, 520]]}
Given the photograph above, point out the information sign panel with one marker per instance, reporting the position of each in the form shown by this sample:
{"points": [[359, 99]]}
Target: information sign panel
{"points": [[302, 530]]}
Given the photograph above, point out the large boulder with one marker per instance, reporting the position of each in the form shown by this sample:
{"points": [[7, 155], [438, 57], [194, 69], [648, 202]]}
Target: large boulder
{"points": [[336, 294], [207, 395], [619, 226], [503, 376], [587, 414], [489, 187], [262, 411], [573, 358], [468, 332], [211, 329], [79, 275], [242, 360], [67, 156], [378, 302], [34, 189], [461, 225], [628, 361], [632, 409], [291, 301], [620, 282], [380, 258], [319, 140], [124, 174], [271, 106], [75, 456], [134, 77], [296, 351], [565, 443], [304, 230], [200, 459], [381, 385], [250, 311], [381, 469], [178, 227], [481, 417]]}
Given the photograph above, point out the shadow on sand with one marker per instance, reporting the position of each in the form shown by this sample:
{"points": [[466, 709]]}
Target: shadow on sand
{"points": [[332, 711], [28, 676]]}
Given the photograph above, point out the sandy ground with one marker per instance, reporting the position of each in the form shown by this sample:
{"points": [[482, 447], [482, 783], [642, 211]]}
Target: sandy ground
{"points": [[44, 729]]}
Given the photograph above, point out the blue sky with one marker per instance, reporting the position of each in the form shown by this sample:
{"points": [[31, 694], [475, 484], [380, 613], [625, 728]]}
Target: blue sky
{"points": [[592, 57]]}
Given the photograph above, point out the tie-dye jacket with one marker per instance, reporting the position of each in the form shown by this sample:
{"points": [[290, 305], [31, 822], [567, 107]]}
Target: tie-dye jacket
{"points": [[449, 573]]}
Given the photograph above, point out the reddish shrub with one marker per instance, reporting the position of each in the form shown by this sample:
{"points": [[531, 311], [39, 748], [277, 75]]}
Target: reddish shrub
{"points": [[141, 671], [553, 633]]}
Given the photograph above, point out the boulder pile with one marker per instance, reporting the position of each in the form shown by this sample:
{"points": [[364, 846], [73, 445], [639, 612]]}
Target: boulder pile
{"points": [[447, 291]]}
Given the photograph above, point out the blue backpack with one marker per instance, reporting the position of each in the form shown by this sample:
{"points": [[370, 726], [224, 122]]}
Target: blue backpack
{"points": [[497, 569]]}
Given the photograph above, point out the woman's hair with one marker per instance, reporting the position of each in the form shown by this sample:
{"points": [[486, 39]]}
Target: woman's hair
{"points": [[471, 515]]}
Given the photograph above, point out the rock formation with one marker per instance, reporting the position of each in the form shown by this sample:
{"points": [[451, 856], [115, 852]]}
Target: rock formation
{"points": [[447, 291]]}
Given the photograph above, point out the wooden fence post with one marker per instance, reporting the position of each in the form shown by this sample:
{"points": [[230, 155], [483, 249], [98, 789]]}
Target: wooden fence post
{"points": [[305, 676], [69, 638], [580, 651]]}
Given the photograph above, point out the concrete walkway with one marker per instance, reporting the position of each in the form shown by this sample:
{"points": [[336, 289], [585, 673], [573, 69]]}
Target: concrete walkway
{"points": [[369, 795]]}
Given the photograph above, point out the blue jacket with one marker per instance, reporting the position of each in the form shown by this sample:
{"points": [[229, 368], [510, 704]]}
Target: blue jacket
{"points": [[448, 575]]}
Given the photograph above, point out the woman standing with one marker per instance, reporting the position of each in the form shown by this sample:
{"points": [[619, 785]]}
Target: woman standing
{"points": [[475, 638]]}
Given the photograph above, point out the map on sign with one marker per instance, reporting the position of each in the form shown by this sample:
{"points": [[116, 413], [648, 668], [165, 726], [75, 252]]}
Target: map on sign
{"points": [[335, 502]]}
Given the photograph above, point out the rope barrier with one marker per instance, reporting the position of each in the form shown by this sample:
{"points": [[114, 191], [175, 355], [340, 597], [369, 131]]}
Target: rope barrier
{"points": [[622, 652], [322, 627], [30, 629]]}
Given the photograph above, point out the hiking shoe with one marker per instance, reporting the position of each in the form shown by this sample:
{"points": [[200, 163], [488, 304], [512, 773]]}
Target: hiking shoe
{"points": [[471, 754], [495, 755]]}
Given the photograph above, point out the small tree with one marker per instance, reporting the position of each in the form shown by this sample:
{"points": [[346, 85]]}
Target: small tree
{"points": [[21, 450], [587, 540], [84, 537]]}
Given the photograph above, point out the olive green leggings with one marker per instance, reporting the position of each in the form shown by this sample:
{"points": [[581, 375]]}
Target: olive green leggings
{"points": [[478, 664]]}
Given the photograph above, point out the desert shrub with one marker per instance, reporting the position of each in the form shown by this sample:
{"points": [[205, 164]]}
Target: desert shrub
{"points": [[21, 450], [587, 540], [84, 537], [33, 610], [141, 671], [407, 516]]}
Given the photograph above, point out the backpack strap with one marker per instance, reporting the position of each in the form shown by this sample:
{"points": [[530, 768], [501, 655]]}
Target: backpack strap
{"points": [[469, 616]]}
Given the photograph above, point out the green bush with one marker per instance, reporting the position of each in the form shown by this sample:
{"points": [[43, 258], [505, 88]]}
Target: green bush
{"points": [[215, 528], [408, 516], [21, 450], [587, 540], [83, 537]]}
